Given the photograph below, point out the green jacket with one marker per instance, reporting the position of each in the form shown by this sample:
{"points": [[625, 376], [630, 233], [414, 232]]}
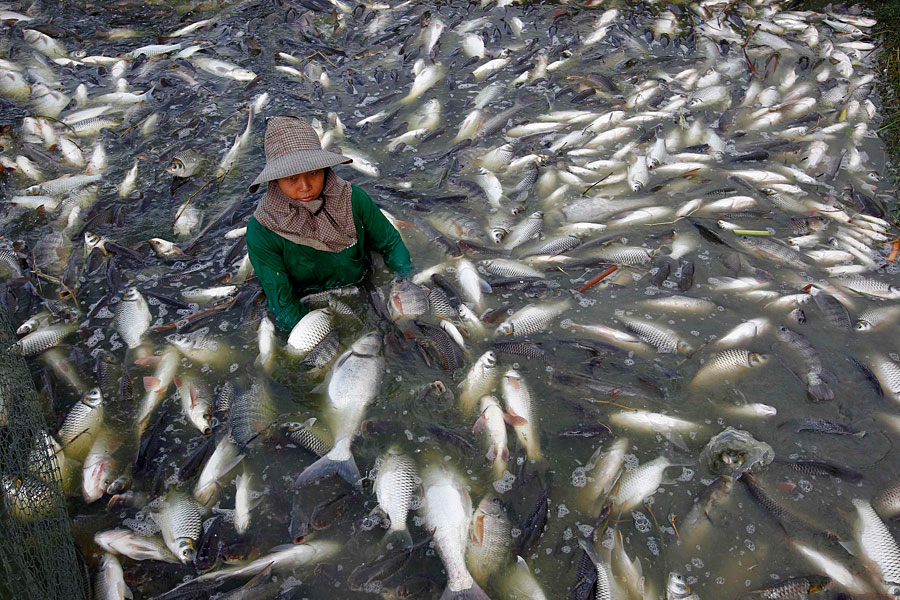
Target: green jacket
{"points": [[289, 271]]}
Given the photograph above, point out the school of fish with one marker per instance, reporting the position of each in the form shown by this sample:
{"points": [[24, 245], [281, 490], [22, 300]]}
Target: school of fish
{"points": [[649, 349]]}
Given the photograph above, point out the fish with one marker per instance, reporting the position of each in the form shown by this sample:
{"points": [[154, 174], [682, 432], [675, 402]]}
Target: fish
{"points": [[196, 401], [43, 339], [224, 458], [132, 318], [99, 468], [179, 522], [821, 426], [185, 163], [310, 331], [521, 412], [662, 338], [878, 545], [605, 586], [354, 384], [241, 141], [532, 318], [817, 377], [447, 510], [728, 364], [408, 299], [136, 547], [395, 484], [245, 499], [490, 539], [794, 587], [492, 422], [157, 385], [109, 582], [636, 485], [82, 424], [677, 588], [480, 381]]}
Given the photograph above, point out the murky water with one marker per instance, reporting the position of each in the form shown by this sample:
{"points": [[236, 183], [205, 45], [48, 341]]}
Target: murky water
{"points": [[352, 63]]}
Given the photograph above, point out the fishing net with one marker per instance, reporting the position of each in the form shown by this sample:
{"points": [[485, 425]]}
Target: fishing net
{"points": [[36, 546]]}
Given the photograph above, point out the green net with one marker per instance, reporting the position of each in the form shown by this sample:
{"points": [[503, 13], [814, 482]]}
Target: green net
{"points": [[39, 558]]}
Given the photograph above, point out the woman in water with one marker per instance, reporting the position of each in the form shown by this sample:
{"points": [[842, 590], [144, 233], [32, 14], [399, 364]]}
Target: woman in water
{"points": [[311, 230]]}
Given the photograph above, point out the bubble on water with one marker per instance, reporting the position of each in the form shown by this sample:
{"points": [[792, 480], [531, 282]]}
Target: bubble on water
{"points": [[630, 461], [805, 485], [409, 434], [653, 546], [505, 483], [104, 313], [373, 587], [584, 529], [686, 474], [692, 579], [233, 368], [95, 338], [579, 477], [697, 563], [568, 533], [418, 521], [142, 525], [641, 521], [720, 580], [561, 511], [515, 532], [628, 362], [894, 356], [586, 302], [750, 545], [566, 549], [751, 528]]}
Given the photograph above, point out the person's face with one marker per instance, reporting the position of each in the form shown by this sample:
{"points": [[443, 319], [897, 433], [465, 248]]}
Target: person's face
{"points": [[303, 186]]}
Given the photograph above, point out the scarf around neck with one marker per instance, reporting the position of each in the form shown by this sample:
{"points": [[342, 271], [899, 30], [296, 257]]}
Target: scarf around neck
{"points": [[324, 224]]}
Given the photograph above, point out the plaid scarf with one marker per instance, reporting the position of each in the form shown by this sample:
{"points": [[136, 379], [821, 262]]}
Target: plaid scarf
{"points": [[324, 224]]}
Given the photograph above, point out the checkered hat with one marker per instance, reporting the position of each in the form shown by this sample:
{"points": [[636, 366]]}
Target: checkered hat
{"points": [[292, 146]]}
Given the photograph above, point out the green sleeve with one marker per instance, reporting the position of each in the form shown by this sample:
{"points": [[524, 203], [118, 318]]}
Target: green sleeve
{"points": [[268, 264], [381, 235]]}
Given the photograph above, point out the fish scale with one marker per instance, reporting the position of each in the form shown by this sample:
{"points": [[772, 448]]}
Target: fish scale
{"points": [[490, 537], [303, 435], [661, 338], [815, 372], [524, 231], [132, 317], [532, 318], [877, 543], [324, 352], [395, 484], [728, 363], [310, 330], [180, 523], [559, 245], [888, 373], [44, 339], [440, 304], [509, 268], [795, 588]]}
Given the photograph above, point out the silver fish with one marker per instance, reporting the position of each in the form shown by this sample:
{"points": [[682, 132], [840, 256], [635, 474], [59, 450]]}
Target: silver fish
{"points": [[43, 339], [817, 377], [180, 524], [395, 483], [532, 318], [355, 382], [728, 364], [521, 412], [492, 422], [185, 163], [134, 546], [109, 583], [82, 423], [447, 510], [662, 338], [878, 546], [310, 331], [479, 381], [490, 537], [132, 317]]}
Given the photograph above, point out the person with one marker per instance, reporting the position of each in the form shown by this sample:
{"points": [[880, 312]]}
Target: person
{"points": [[312, 230]]}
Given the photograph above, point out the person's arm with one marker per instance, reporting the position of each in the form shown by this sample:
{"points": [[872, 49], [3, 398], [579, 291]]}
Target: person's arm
{"points": [[268, 264], [382, 237]]}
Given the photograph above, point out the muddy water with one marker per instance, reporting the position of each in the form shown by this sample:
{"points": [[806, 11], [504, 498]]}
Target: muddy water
{"points": [[368, 71]]}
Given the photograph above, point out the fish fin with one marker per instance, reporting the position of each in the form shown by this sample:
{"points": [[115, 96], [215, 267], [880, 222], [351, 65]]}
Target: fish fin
{"points": [[485, 286], [327, 465], [675, 438], [828, 377], [478, 530], [151, 384], [819, 391], [398, 537], [520, 562], [177, 381], [851, 547], [147, 361], [492, 454], [194, 395], [504, 454], [514, 419], [126, 592], [473, 593], [480, 424]]}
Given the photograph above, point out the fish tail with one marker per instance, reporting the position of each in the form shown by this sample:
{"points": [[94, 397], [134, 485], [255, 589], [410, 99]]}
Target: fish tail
{"points": [[339, 460], [820, 391], [472, 593], [398, 537]]}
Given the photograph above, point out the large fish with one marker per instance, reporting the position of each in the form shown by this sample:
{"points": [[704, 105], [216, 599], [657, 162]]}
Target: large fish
{"points": [[355, 382], [447, 510]]}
